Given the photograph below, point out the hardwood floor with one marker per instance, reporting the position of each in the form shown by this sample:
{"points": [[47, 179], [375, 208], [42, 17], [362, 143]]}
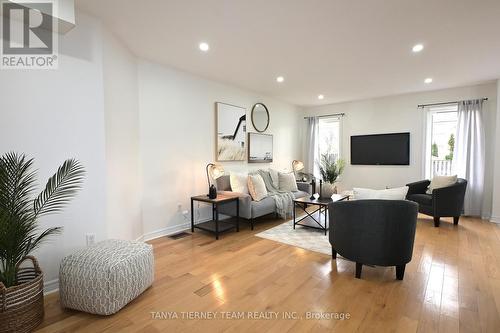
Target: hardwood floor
{"points": [[452, 284]]}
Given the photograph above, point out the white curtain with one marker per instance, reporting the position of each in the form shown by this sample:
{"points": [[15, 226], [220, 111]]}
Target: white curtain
{"points": [[469, 154], [311, 146]]}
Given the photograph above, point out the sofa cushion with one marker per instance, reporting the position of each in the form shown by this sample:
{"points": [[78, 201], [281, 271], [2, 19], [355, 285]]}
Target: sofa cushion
{"points": [[223, 183], [423, 199], [239, 182], [263, 207], [300, 194], [287, 182], [257, 187], [440, 182], [398, 193], [274, 177]]}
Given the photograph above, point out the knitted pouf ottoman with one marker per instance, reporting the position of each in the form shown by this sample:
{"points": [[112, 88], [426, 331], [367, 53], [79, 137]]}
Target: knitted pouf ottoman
{"points": [[103, 278]]}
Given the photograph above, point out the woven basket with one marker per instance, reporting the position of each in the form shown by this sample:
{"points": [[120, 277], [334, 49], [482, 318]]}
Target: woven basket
{"points": [[21, 306]]}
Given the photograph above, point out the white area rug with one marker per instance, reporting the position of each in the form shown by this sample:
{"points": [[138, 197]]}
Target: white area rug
{"points": [[306, 238]]}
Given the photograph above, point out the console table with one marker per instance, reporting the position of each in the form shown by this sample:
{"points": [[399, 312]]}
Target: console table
{"points": [[322, 204], [215, 226]]}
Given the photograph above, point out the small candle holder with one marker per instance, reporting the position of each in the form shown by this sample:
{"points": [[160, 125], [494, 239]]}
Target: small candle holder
{"points": [[313, 185]]}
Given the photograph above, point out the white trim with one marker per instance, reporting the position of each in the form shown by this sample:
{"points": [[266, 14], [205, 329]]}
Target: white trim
{"points": [[495, 219], [51, 286], [168, 231]]}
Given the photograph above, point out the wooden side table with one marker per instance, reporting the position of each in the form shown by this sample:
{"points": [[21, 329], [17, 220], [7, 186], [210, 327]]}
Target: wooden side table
{"points": [[215, 226]]}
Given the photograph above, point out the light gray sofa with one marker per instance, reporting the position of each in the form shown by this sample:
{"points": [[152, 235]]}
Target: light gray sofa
{"points": [[250, 209]]}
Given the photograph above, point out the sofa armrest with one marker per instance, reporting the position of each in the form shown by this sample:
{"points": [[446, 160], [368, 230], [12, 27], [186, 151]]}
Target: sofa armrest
{"points": [[418, 187], [449, 201], [304, 187], [230, 207]]}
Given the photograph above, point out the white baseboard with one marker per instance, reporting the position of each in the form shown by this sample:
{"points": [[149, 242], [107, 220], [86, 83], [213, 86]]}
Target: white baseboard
{"points": [[168, 231], [165, 231], [51, 286], [495, 219]]}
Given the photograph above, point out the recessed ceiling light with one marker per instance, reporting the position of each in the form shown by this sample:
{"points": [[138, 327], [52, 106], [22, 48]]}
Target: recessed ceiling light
{"points": [[321, 96], [428, 80], [204, 47], [417, 48], [280, 79]]}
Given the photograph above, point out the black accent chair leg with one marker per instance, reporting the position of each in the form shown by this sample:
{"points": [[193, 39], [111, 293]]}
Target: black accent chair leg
{"points": [[358, 270], [334, 253], [436, 221], [251, 224], [455, 220], [400, 272]]}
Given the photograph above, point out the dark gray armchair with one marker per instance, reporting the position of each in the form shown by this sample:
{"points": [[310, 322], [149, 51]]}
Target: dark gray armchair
{"points": [[374, 232], [443, 202]]}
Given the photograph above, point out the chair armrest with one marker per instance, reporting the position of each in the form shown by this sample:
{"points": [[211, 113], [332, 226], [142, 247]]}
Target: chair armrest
{"points": [[449, 201], [418, 187], [305, 187]]}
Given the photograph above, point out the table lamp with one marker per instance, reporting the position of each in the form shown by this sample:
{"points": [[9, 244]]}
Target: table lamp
{"points": [[297, 166], [214, 171]]}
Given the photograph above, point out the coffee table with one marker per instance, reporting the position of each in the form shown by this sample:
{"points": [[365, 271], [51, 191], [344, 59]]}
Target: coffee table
{"points": [[322, 208]]}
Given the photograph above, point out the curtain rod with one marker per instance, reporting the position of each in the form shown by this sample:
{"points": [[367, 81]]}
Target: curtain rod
{"points": [[444, 103], [328, 115]]}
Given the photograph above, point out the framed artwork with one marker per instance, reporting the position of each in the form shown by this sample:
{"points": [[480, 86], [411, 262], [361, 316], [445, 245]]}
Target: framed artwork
{"points": [[231, 132], [260, 148]]}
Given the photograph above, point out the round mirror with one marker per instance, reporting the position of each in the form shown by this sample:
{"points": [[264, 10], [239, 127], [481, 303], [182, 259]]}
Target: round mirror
{"points": [[260, 117]]}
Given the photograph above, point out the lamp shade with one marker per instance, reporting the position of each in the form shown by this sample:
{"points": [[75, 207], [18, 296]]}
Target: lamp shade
{"points": [[297, 165], [215, 170]]}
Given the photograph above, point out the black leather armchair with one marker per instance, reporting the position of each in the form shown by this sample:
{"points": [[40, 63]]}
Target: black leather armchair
{"points": [[443, 202], [374, 232]]}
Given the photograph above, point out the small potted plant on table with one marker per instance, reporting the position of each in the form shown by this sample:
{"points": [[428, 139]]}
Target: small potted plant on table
{"points": [[330, 169]]}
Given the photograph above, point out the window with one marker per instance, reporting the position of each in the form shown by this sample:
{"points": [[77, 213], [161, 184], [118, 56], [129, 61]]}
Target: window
{"points": [[441, 132], [329, 137]]}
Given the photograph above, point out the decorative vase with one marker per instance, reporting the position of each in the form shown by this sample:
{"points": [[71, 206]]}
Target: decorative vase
{"points": [[21, 306], [328, 190]]}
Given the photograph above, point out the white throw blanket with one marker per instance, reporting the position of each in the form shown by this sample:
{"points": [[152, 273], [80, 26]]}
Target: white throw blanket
{"points": [[283, 199]]}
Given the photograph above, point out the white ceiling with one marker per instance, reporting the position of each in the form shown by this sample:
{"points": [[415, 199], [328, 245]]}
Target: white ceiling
{"points": [[343, 49]]}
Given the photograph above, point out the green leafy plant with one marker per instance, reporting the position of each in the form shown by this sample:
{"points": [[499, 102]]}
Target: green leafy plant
{"points": [[330, 168], [451, 147], [20, 210], [434, 150]]}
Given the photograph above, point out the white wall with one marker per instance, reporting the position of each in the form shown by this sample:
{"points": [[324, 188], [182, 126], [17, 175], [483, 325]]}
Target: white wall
{"points": [[495, 216], [177, 121], [89, 108], [400, 114], [121, 105], [53, 115]]}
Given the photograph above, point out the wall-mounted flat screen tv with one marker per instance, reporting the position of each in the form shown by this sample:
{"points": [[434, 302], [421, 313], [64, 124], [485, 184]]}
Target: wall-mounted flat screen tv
{"points": [[381, 149]]}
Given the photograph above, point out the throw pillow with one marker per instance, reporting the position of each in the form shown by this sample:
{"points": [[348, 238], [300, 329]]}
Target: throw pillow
{"points": [[239, 182], [287, 182], [440, 182], [257, 187], [274, 177], [398, 193]]}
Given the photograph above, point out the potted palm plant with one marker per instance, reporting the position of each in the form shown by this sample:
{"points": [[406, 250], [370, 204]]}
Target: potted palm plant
{"points": [[330, 169], [21, 288]]}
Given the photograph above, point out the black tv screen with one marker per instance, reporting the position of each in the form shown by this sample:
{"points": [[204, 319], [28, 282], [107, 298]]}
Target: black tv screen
{"points": [[381, 149]]}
